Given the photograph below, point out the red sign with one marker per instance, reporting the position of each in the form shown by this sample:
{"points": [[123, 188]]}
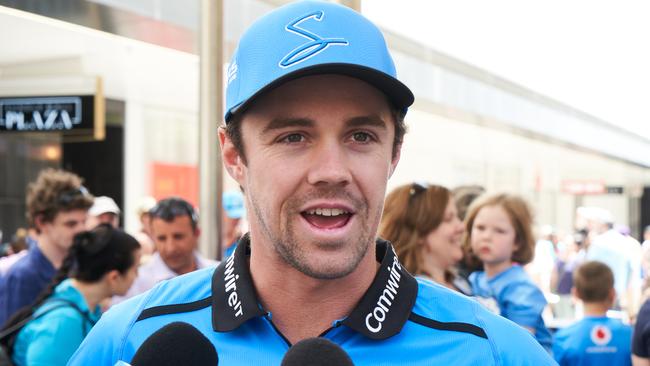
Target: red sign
{"points": [[580, 187], [175, 180]]}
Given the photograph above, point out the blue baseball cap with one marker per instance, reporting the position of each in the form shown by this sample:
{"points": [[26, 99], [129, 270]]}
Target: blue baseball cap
{"points": [[233, 204], [310, 38]]}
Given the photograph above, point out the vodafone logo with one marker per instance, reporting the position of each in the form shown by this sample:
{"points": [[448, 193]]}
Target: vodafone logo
{"points": [[601, 335]]}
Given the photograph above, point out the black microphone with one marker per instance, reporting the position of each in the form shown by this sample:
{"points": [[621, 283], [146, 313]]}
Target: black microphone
{"points": [[176, 344], [316, 352]]}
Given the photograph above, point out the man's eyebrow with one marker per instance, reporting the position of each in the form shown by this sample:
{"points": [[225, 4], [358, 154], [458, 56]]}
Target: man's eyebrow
{"points": [[372, 120], [283, 122]]}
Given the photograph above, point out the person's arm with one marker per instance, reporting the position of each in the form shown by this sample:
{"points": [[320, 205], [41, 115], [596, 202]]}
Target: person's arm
{"points": [[640, 361], [524, 304], [16, 293]]}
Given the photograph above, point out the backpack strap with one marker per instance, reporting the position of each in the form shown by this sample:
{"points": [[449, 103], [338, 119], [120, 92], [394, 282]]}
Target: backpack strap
{"points": [[7, 334]]}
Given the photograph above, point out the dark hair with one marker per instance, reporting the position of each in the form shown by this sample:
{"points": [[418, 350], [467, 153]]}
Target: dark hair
{"points": [[55, 191], [411, 212], [464, 196], [170, 208], [593, 281], [233, 131], [92, 255]]}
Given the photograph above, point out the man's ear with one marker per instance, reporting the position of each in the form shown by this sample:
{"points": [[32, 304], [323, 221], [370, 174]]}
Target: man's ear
{"points": [[38, 222], [396, 155], [231, 157]]}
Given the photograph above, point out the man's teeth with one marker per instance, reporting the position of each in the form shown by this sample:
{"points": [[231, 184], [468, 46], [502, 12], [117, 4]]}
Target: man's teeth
{"points": [[327, 212]]}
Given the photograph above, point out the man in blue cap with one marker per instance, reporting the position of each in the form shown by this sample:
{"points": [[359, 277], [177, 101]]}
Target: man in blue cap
{"points": [[314, 127], [234, 211]]}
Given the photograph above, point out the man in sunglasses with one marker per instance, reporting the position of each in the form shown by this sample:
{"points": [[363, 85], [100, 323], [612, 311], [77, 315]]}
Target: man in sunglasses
{"points": [[57, 206], [314, 126], [175, 232]]}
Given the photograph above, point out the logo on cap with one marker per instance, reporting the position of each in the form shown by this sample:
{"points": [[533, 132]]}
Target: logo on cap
{"points": [[601, 335], [316, 45]]}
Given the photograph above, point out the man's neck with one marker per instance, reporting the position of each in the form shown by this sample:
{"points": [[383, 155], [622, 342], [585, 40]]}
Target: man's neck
{"points": [[303, 306], [51, 251], [595, 309]]}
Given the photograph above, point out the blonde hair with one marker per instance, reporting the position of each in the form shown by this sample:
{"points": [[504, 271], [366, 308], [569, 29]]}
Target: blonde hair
{"points": [[521, 220], [44, 195], [410, 213]]}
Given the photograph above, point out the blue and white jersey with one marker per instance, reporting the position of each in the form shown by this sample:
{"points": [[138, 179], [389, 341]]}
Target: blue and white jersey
{"points": [[517, 298], [398, 321], [594, 341]]}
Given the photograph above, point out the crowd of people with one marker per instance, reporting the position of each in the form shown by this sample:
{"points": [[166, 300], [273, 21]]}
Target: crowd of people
{"points": [[423, 275], [75, 262]]}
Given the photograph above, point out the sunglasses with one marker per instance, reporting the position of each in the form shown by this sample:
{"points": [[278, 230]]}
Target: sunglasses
{"points": [[67, 197], [416, 189]]}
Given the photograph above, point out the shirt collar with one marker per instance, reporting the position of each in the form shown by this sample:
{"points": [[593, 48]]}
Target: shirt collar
{"points": [[381, 313]]}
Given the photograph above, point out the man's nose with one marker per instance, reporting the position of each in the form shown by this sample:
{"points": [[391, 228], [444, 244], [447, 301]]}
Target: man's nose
{"points": [[329, 164]]}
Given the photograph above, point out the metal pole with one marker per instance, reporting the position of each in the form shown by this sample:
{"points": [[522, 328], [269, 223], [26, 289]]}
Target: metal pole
{"points": [[211, 112]]}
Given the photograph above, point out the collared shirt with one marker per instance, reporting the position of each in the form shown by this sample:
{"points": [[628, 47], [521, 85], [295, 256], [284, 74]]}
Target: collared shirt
{"points": [[52, 338], [594, 341], [398, 321], [24, 281], [517, 297], [155, 271]]}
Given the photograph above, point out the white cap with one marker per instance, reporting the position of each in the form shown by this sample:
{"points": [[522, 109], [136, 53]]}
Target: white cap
{"points": [[102, 205]]}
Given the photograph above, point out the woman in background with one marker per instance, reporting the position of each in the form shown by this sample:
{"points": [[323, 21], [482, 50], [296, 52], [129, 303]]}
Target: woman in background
{"points": [[422, 223], [101, 263]]}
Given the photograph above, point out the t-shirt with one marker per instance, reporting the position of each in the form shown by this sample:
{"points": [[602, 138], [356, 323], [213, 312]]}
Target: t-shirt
{"points": [[641, 337], [517, 297], [51, 339], [398, 321], [593, 341], [24, 281]]}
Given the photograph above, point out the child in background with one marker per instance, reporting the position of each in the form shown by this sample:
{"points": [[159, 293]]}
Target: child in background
{"points": [[499, 234], [596, 339]]}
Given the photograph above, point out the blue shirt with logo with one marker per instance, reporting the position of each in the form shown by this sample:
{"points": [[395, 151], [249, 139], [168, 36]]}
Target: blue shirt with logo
{"points": [[594, 341], [398, 321], [517, 297]]}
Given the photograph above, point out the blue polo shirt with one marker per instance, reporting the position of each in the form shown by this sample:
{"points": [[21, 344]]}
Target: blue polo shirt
{"points": [[398, 321], [518, 299], [594, 341], [24, 281]]}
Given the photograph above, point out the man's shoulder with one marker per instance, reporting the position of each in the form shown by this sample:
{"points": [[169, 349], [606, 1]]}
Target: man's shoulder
{"points": [[190, 287], [23, 272], [443, 308]]}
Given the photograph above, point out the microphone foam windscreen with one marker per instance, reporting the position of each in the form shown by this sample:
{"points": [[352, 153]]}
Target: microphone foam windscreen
{"points": [[316, 352], [177, 344]]}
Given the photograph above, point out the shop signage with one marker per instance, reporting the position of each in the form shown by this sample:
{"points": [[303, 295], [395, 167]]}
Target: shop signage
{"points": [[45, 113]]}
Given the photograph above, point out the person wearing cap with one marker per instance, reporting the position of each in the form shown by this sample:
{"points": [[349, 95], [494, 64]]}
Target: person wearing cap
{"points": [[103, 211], [57, 207], [234, 211], [314, 126]]}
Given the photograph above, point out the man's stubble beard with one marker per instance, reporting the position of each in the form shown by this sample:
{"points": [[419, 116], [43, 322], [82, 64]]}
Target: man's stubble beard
{"points": [[289, 248]]}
